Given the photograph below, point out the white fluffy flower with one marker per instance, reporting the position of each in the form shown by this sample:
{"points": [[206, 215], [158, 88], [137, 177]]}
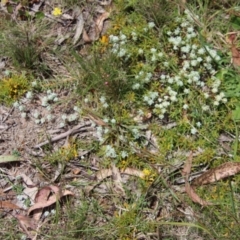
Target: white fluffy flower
{"points": [[36, 114], [113, 121], [201, 51], [64, 117], [194, 131], [205, 108], [153, 50], [199, 124], [42, 120], [124, 154], [102, 99], [110, 152], [136, 86], [151, 24], [21, 108], [29, 95], [16, 104], [34, 84]]}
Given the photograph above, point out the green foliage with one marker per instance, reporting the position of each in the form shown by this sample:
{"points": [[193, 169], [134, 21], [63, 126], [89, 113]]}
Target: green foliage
{"points": [[103, 74], [25, 45], [156, 11]]}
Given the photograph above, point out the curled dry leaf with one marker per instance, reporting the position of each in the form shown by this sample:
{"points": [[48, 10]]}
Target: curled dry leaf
{"points": [[193, 195], [41, 196], [100, 20], [42, 202], [190, 190], [223, 171]]}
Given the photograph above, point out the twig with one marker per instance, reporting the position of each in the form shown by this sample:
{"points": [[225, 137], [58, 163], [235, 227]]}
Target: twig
{"points": [[74, 130], [9, 113]]}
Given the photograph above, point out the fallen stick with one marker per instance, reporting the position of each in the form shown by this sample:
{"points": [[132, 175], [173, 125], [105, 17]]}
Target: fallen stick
{"points": [[74, 130]]}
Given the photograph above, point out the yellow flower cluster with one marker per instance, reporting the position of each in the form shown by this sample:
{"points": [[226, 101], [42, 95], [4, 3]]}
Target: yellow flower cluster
{"points": [[69, 152], [57, 12], [149, 175], [12, 88]]}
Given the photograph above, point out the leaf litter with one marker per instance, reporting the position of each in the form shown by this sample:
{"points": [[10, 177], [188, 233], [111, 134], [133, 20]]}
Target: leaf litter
{"points": [[48, 195]]}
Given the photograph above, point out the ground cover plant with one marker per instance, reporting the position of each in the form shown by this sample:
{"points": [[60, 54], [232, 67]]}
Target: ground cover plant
{"points": [[119, 119]]}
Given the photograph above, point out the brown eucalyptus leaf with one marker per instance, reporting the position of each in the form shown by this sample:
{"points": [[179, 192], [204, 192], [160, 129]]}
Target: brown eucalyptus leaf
{"points": [[52, 199], [193, 195], [231, 39], [223, 171], [8, 205], [85, 37], [235, 56], [104, 173], [133, 172], [43, 194], [26, 223], [27, 180], [187, 167], [117, 180], [100, 21], [79, 28]]}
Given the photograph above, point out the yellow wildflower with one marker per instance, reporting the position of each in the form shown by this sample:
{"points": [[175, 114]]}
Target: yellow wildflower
{"points": [[148, 175], [57, 11], [104, 40], [146, 172]]}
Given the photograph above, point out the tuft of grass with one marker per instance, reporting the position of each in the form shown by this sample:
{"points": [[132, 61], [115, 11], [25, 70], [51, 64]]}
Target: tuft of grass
{"points": [[104, 74], [25, 45]]}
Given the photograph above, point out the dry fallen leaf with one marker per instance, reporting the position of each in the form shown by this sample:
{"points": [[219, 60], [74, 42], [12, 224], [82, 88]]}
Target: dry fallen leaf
{"points": [[51, 200], [27, 180], [117, 181], [76, 171], [104, 173], [31, 192], [8, 205], [193, 195], [231, 39], [190, 190], [133, 172], [223, 171], [235, 56], [9, 158], [100, 21], [41, 196], [187, 167], [79, 28], [26, 223]]}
